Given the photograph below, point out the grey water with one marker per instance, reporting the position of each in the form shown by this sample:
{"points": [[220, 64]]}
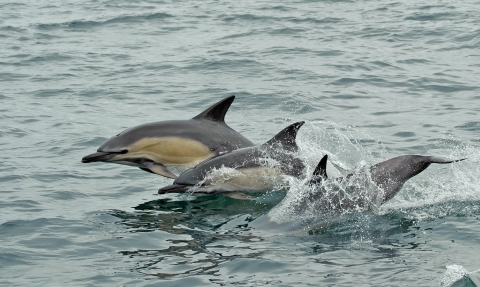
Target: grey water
{"points": [[372, 80]]}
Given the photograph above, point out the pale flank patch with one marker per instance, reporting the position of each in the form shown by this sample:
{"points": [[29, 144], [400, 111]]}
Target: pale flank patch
{"points": [[246, 179], [174, 151]]}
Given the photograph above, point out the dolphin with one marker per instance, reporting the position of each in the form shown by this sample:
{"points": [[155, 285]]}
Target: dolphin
{"points": [[251, 169], [154, 146], [365, 190]]}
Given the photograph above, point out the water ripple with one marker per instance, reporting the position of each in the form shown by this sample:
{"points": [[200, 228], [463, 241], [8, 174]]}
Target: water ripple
{"points": [[124, 19]]}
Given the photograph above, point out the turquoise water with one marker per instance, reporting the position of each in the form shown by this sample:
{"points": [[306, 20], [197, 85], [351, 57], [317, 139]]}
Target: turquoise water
{"points": [[372, 80]]}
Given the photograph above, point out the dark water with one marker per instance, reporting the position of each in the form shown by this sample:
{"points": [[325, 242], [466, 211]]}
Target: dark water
{"points": [[373, 80]]}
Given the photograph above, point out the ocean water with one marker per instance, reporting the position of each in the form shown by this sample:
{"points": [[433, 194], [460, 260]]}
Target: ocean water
{"points": [[372, 80]]}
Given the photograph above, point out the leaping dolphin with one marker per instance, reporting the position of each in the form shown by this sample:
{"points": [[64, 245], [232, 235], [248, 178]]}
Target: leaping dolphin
{"points": [[367, 190], [250, 169], [154, 146]]}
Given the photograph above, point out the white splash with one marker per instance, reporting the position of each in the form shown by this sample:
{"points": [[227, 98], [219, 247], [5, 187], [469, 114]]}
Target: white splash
{"points": [[351, 150], [267, 176], [454, 273]]}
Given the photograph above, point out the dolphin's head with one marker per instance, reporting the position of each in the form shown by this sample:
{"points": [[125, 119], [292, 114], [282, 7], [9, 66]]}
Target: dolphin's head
{"points": [[156, 142], [114, 149]]}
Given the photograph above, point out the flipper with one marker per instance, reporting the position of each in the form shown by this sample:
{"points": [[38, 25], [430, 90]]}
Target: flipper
{"points": [[320, 172], [146, 169], [217, 111], [159, 169], [287, 137], [239, 195]]}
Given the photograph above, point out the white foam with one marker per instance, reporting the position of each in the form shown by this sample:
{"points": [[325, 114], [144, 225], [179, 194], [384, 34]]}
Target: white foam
{"points": [[454, 273], [350, 149]]}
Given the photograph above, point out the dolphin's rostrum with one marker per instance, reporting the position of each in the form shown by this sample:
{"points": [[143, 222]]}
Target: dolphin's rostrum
{"points": [[154, 146]]}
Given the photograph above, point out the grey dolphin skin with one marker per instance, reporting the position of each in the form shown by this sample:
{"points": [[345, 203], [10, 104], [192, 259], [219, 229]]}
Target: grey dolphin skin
{"points": [[379, 184], [154, 146], [251, 169]]}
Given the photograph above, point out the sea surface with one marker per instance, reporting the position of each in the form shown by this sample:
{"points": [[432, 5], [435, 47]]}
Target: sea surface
{"points": [[372, 79]]}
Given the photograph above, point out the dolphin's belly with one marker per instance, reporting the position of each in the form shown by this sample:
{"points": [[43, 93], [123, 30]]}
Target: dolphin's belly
{"points": [[256, 179]]}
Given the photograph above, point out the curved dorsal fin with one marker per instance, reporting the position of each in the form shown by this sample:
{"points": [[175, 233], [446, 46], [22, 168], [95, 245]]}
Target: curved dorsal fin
{"points": [[320, 172], [287, 137], [217, 111]]}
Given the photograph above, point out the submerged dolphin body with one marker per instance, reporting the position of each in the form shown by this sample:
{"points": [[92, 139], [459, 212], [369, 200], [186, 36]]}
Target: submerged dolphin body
{"points": [[365, 190], [249, 169], [154, 146]]}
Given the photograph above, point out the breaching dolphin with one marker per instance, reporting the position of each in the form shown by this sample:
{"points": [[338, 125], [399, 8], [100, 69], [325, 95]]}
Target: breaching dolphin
{"points": [[366, 190], [323, 198], [250, 169], [154, 146]]}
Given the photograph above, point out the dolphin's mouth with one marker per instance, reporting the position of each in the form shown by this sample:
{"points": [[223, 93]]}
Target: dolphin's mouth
{"points": [[174, 188], [98, 156]]}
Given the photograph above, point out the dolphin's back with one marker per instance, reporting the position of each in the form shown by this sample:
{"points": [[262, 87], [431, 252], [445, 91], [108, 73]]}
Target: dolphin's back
{"points": [[210, 134]]}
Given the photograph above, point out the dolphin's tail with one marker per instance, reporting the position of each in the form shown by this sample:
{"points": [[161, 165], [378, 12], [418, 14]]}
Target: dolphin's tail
{"points": [[174, 188], [441, 160]]}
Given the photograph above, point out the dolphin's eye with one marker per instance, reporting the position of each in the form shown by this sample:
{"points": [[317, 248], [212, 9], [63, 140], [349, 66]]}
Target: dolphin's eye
{"points": [[123, 151]]}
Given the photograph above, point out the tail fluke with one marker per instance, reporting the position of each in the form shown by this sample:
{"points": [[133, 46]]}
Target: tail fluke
{"points": [[441, 160]]}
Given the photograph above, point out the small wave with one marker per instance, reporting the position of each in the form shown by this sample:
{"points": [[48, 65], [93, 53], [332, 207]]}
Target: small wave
{"points": [[294, 20], [52, 57], [240, 35], [288, 31], [12, 29], [469, 126], [224, 64], [438, 85], [245, 17], [326, 20], [9, 77], [404, 134], [431, 16], [83, 24], [277, 8]]}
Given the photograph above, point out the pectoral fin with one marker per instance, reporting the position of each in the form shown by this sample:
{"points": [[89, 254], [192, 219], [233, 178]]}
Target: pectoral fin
{"points": [[146, 169], [239, 195], [159, 169]]}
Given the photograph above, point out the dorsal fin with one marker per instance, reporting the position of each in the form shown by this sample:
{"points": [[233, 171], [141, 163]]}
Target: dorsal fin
{"points": [[287, 137], [320, 172], [217, 111]]}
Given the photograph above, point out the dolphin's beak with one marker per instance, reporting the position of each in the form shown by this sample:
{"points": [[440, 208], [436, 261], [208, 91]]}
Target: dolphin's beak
{"points": [[175, 188], [98, 156]]}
